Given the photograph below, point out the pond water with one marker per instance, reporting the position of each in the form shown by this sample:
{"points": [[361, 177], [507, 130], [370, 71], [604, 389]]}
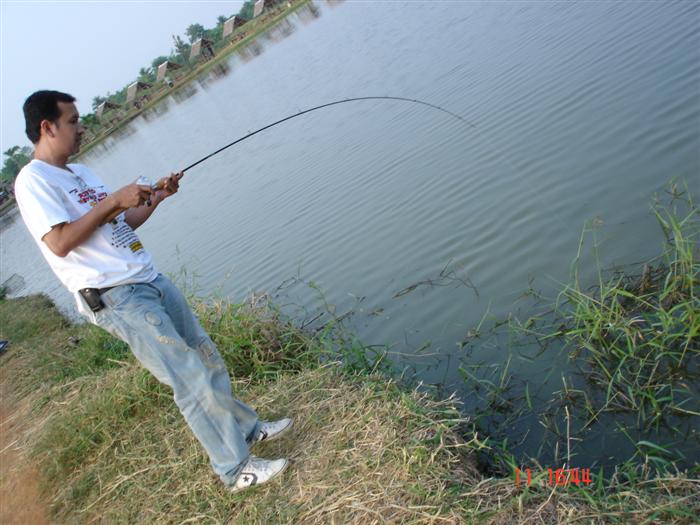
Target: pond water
{"points": [[419, 224]]}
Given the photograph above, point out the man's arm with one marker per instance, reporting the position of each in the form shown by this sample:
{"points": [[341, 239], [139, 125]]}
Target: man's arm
{"points": [[66, 236], [135, 217], [168, 186]]}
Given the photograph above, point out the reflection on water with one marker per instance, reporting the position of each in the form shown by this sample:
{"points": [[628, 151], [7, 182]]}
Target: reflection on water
{"points": [[309, 13], [121, 133], [250, 51], [156, 111], [220, 70], [8, 218], [215, 73], [280, 31], [184, 92]]}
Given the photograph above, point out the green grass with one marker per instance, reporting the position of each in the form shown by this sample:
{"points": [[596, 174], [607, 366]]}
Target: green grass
{"points": [[49, 349], [256, 342]]}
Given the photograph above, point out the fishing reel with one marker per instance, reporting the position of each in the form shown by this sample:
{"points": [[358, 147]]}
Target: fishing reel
{"points": [[145, 181]]}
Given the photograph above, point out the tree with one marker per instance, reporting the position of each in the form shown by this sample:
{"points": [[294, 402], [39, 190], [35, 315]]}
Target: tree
{"points": [[220, 20], [90, 121], [194, 32], [246, 11], [214, 34], [182, 49], [157, 62], [97, 101], [16, 158], [146, 75], [120, 96]]}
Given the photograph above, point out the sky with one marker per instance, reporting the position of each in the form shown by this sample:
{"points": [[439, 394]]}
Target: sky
{"points": [[85, 48]]}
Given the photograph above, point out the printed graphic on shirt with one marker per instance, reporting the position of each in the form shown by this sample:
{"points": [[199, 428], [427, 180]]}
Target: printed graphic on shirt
{"points": [[89, 196], [124, 237]]}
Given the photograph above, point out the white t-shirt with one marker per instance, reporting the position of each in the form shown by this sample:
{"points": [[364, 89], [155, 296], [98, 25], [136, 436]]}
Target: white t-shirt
{"points": [[48, 195]]}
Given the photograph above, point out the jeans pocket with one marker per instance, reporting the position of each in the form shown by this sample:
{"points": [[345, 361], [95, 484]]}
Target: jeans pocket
{"points": [[118, 295]]}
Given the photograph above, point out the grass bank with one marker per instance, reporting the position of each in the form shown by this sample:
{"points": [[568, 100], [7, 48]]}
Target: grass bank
{"points": [[112, 448]]}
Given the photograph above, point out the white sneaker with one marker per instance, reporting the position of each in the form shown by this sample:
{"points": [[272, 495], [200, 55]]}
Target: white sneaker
{"points": [[270, 430], [257, 471]]}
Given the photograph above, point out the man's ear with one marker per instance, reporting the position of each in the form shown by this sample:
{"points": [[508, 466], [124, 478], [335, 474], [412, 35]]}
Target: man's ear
{"points": [[47, 128]]}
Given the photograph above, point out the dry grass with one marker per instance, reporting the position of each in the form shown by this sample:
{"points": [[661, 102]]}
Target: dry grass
{"points": [[362, 451]]}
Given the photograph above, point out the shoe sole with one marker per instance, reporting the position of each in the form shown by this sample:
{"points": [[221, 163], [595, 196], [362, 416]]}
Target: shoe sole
{"points": [[235, 489], [279, 434]]}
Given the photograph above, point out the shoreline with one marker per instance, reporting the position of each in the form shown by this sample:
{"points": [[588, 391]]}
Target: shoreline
{"points": [[224, 53]]}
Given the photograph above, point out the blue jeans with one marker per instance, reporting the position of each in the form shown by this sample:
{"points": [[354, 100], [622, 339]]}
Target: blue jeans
{"points": [[156, 322]]}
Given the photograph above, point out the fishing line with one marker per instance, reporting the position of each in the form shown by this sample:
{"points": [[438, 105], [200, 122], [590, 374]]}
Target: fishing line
{"points": [[355, 99]]}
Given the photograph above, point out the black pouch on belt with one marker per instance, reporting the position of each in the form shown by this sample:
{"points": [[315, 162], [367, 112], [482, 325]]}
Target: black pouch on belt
{"points": [[92, 298]]}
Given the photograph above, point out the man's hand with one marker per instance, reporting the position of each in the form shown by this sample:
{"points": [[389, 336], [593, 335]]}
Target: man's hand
{"points": [[168, 186], [131, 196], [164, 188]]}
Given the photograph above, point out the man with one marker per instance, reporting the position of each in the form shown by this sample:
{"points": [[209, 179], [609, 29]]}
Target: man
{"points": [[86, 233]]}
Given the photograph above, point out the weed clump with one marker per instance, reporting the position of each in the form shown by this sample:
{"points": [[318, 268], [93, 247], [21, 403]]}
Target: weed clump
{"points": [[639, 336]]}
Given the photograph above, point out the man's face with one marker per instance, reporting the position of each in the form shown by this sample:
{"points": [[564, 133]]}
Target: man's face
{"points": [[67, 130]]}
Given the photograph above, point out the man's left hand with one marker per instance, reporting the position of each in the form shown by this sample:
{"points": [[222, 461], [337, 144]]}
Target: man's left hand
{"points": [[168, 185]]}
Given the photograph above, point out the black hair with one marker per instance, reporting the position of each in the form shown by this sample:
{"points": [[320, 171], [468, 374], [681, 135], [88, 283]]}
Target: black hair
{"points": [[42, 105]]}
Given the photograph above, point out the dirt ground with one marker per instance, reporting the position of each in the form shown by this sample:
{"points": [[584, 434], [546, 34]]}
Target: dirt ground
{"points": [[20, 499]]}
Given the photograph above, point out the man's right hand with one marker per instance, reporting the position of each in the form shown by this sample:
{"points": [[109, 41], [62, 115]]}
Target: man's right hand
{"points": [[131, 196]]}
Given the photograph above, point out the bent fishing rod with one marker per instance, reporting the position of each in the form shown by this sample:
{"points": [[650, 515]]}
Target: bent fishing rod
{"points": [[160, 184], [413, 100]]}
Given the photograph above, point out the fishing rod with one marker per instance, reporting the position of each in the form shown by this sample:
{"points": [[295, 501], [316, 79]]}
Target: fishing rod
{"points": [[413, 100], [161, 184]]}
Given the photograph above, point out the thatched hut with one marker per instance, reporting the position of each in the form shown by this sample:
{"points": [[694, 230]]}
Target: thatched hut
{"points": [[203, 49], [134, 92], [232, 24], [105, 107], [261, 5], [165, 68]]}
